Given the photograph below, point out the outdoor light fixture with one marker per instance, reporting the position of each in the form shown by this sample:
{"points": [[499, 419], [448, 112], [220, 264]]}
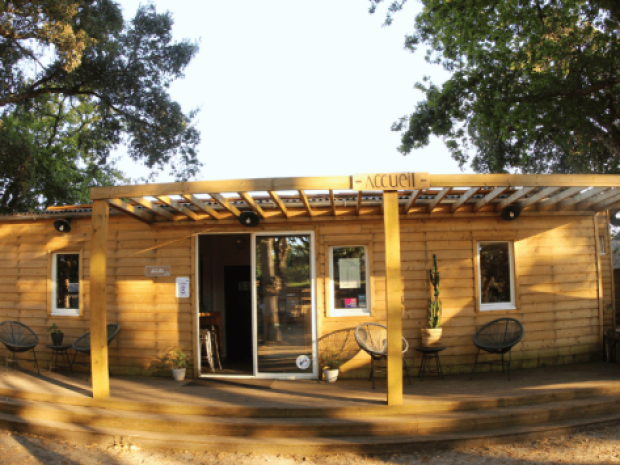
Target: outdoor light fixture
{"points": [[63, 226], [511, 212], [249, 219]]}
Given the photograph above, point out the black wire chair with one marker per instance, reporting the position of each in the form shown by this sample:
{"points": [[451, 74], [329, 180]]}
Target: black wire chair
{"points": [[82, 344], [17, 337], [498, 337], [372, 339]]}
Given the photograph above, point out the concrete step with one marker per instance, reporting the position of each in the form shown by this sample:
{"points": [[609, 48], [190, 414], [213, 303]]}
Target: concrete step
{"points": [[375, 426], [302, 446]]}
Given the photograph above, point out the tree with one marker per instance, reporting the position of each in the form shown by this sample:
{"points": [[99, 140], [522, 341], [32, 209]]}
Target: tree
{"points": [[107, 87], [535, 84]]}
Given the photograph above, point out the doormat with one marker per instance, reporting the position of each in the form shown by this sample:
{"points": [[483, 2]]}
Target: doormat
{"points": [[244, 383]]}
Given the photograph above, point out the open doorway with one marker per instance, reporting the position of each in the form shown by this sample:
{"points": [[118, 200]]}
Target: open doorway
{"points": [[225, 302]]}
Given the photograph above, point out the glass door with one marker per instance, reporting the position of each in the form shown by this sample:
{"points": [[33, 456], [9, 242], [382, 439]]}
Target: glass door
{"points": [[284, 323]]}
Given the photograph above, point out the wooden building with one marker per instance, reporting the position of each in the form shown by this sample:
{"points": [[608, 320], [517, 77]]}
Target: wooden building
{"points": [[325, 255]]}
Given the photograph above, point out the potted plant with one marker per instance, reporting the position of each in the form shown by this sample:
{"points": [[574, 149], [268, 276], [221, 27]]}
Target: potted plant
{"points": [[432, 334], [56, 334], [178, 360], [331, 366]]}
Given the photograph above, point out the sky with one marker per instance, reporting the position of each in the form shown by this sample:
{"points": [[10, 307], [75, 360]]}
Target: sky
{"points": [[298, 88]]}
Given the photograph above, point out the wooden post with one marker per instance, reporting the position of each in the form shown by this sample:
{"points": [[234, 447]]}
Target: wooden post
{"points": [[599, 274], [98, 317], [393, 292]]}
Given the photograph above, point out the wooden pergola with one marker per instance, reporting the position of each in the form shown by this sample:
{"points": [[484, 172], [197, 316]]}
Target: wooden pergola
{"points": [[393, 196]]}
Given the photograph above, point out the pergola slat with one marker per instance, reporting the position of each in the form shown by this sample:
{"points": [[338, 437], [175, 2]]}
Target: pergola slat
{"points": [[176, 207], [564, 204], [464, 198], [604, 205], [200, 205], [252, 203], [153, 208], [411, 201], [559, 197], [132, 211], [438, 198], [278, 201], [224, 202], [546, 192], [304, 200], [514, 197], [332, 202], [592, 201], [489, 197]]}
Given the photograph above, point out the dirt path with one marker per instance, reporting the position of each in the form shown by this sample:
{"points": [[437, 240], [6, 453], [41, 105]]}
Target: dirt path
{"points": [[594, 447]]}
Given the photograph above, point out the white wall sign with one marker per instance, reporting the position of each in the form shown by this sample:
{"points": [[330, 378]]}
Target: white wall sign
{"points": [[183, 288], [350, 273]]}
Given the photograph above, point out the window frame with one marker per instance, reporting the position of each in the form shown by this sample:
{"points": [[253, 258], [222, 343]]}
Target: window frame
{"points": [[350, 312], [51, 288], [500, 306]]}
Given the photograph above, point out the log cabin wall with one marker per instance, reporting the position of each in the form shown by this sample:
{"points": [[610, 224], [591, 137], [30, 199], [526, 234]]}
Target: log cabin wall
{"points": [[557, 270]]}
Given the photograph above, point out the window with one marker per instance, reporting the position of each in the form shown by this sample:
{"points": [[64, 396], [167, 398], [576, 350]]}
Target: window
{"points": [[66, 284], [602, 245], [496, 276], [349, 289]]}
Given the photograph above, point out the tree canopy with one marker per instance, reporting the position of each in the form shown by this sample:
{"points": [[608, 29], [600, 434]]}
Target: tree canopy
{"points": [[535, 84], [78, 81]]}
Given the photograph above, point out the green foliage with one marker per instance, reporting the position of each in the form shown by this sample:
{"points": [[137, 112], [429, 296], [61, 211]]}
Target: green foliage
{"points": [[173, 358], [54, 329], [434, 307], [534, 87], [330, 360], [178, 359], [60, 122]]}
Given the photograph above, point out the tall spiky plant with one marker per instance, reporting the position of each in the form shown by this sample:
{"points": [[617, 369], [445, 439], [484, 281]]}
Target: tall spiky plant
{"points": [[434, 309]]}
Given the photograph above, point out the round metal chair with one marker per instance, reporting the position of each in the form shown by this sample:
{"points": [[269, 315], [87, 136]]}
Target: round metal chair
{"points": [[17, 337], [498, 337], [82, 344], [372, 339]]}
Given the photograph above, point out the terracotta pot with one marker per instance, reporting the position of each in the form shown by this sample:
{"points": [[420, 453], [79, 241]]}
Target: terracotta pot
{"points": [[430, 336], [330, 375]]}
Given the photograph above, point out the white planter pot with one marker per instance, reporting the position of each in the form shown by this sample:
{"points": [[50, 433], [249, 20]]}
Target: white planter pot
{"points": [[178, 374], [330, 375]]}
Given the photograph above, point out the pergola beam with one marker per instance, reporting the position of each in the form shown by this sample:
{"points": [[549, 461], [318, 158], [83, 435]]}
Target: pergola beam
{"points": [[252, 204], [546, 192], [489, 198], [438, 198], [278, 201], [132, 211], [564, 204], [464, 198], [224, 202], [519, 194], [359, 203], [592, 201], [304, 200], [525, 180], [177, 207], [153, 208], [411, 200], [332, 202], [201, 205]]}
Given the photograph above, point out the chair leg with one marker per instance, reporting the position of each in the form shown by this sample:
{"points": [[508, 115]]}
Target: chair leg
{"points": [[471, 376], [503, 371], [439, 365], [406, 370], [35, 360], [509, 363], [372, 371]]}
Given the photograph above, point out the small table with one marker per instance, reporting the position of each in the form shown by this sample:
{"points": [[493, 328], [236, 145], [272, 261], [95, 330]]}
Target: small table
{"points": [[59, 350], [429, 353]]}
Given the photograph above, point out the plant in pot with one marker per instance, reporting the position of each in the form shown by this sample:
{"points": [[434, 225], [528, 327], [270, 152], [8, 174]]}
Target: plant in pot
{"points": [[331, 365], [432, 334], [178, 360], [56, 334]]}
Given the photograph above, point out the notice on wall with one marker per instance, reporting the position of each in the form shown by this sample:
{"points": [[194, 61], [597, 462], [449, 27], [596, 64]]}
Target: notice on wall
{"points": [[183, 288], [350, 273], [156, 271]]}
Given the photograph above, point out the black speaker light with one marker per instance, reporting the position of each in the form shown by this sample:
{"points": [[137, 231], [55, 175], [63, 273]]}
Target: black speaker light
{"points": [[249, 219], [63, 226], [511, 212]]}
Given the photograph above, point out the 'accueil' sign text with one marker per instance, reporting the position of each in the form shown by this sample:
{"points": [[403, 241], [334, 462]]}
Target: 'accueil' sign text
{"points": [[390, 181], [156, 271]]}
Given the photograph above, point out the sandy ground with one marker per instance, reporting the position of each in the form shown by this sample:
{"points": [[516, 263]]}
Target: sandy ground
{"points": [[594, 447]]}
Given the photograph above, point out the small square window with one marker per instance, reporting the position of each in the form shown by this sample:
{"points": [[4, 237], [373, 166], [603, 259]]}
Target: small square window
{"points": [[602, 249], [496, 276], [349, 289], [66, 284]]}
